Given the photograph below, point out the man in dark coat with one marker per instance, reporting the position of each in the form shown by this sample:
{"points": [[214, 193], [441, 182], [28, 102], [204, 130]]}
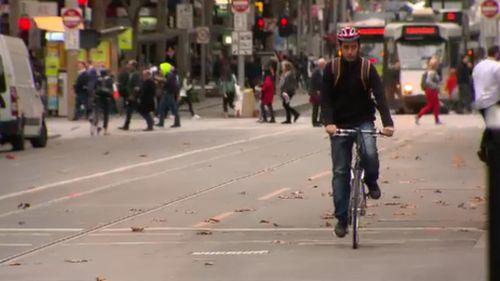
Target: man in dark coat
{"points": [[133, 90], [315, 91], [81, 91], [147, 99]]}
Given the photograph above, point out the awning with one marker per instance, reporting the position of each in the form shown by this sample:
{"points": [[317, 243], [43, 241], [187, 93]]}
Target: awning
{"points": [[52, 24]]}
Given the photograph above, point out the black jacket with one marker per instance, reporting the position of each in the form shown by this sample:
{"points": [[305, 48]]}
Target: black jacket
{"points": [[463, 74], [316, 82], [147, 98], [81, 83], [348, 104]]}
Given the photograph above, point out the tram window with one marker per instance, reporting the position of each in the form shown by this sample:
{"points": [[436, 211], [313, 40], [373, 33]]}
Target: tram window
{"points": [[415, 56]]}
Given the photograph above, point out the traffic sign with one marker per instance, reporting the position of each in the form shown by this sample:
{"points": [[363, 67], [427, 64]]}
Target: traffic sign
{"points": [[184, 16], [71, 17], [240, 6], [242, 43], [202, 35], [71, 39], [240, 22], [489, 8]]}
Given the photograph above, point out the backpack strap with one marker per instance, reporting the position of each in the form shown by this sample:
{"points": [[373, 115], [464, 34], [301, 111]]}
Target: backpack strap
{"points": [[365, 73], [336, 70]]}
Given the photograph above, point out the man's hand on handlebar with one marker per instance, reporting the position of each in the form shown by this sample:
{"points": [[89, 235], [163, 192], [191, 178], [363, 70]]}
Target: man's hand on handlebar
{"points": [[331, 129], [388, 131]]}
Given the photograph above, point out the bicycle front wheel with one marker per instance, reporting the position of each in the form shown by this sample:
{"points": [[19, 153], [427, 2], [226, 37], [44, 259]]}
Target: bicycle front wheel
{"points": [[355, 210]]}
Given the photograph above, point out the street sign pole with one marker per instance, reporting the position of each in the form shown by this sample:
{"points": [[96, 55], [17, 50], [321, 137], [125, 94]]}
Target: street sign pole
{"points": [[203, 55], [240, 7]]}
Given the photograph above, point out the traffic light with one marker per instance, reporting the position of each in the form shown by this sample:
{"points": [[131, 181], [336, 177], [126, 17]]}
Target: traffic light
{"points": [[452, 16], [285, 29], [24, 25]]}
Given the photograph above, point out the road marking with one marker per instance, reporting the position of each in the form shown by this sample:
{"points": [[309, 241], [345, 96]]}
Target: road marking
{"points": [[230, 253], [139, 243], [273, 194], [219, 218], [139, 165], [15, 245], [320, 175]]}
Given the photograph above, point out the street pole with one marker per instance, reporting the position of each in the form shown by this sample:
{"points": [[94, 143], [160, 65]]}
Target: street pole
{"points": [[299, 27], [343, 10], [203, 55]]}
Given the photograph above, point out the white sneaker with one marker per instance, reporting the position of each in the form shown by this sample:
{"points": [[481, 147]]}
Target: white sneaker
{"points": [[196, 117]]}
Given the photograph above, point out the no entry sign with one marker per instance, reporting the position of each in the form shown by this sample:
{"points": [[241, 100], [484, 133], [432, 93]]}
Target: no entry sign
{"points": [[240, 6], [489, 8], [71, 18]]}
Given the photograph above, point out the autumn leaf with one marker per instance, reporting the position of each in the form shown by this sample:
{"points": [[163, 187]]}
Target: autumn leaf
{"points": [[14, 264], [441, 202], [204, 232], [462, 206], [209, 263], [407, 206], [392, 204], [137, 229], [458, 161], [264, 221], [279, 242], [276, 225], [438, 191], [100, 279], [143, 155], [10, 156], [244, 210], [76, 261], [327, 216], [23, 206], [396, 197], [212, 220], [328, 224]]}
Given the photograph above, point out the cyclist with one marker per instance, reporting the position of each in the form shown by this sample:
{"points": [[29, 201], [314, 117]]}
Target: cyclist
{"points": [[346, 102]]}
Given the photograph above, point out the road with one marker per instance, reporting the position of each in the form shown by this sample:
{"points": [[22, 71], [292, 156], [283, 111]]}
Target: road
{"points": [[236, 200]]}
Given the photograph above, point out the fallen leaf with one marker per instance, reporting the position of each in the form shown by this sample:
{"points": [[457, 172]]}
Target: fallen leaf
{"points": [[243, 193], [100, 279], [276, 225], [21, 223], [328, 216], [209, 263], [392, 204], [370, 215], [462, 206], [14, 264], [244, 210], [264, 221], [315, 186], [10, 156], [137, 229], [441, 202], [186, 143], [438, 191], [396, 197], [478, 199], [76, 261], [106, 153], [395, 157], [143, 155], [279, 242], [403, 214], [418, 158], [212, 220], [407, 206], [136, 210], [204, 232], [463, 230], [328, 224], [385, 181], [23, 206], [189, 212]]}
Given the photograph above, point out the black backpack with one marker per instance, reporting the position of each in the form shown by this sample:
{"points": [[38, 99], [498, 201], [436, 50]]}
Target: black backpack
{"points": [[365, 71]]}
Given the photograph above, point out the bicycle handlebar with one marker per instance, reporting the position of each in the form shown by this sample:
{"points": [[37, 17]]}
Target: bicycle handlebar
{"points": [[348, 132]]}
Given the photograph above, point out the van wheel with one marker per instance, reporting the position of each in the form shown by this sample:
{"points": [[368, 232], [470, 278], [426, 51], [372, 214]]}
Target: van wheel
{"points": [[18, 142], [41, 140]]}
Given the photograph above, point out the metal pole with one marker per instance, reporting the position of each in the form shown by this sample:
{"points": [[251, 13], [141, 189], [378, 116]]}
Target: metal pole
{"points": [[299, 27], [241, 71], [203, 55], [343, 10]]}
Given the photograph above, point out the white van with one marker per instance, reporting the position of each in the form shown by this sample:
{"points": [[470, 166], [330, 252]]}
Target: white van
{"points": [[21, 108]]}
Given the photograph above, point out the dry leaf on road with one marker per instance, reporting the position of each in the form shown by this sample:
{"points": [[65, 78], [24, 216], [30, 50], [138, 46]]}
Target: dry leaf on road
{"points": [[244, 210], [76, 261], [396, 197], [209, 263], [408, 206], [10, 156], [441, 202], [462, 206], [392, 204], [14, 264], [328, 216], [328, 224], [438, 191], [264, 221], [100, 279], [418, 158], [143, 155], [279, 242], [458, 161], [137, 228], [204, 232], [212, 220], [23, 206], [404, 214]]}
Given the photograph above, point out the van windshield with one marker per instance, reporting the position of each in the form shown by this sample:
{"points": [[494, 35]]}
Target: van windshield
{"points": [[415, 57], [3, 84]]}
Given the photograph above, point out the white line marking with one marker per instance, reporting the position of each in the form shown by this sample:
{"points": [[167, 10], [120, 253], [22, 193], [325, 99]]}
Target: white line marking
{"points": [[273, 194], [227, 253], [140, 243], [138, 165]]}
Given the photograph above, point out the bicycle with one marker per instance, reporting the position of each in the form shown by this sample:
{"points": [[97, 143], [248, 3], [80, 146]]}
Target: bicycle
{"points": [[357, 201]]}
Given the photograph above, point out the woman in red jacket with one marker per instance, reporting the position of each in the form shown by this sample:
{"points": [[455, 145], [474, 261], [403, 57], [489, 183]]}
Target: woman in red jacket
{"points": [[267, 96]]}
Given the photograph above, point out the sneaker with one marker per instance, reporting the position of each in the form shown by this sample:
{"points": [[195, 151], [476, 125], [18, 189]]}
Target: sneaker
{"points": [[196, 117], [341, 229], [175, 126], [374, 190], [286, 122]]}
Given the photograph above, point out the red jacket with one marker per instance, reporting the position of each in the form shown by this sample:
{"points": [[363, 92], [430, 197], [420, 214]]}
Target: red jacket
{"points": [[451, 84], [267, 91]]}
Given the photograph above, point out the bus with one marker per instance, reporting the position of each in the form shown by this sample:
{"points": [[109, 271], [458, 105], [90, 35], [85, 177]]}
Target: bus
{"points": [[408, 46]]}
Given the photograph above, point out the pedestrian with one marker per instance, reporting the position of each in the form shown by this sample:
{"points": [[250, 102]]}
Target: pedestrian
{"points": [[288, 86], [170, 92], [315, 92], [267, 96], [186, 94], [81, 91], [486, 76], [464, 80], [122, 88], [133, 91], [431, 82], [227, 86], [347, 103], [147, 99], [452, 89], [104, 92]]}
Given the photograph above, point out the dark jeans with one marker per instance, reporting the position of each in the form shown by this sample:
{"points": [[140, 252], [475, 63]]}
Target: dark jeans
{"points": [[264, 113], [130, 107], [228, 100], [169, 103], [316, 119], [101, 107], [189, 103], [149, 118], [465, 98], [81, 99], [341, 158]]}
